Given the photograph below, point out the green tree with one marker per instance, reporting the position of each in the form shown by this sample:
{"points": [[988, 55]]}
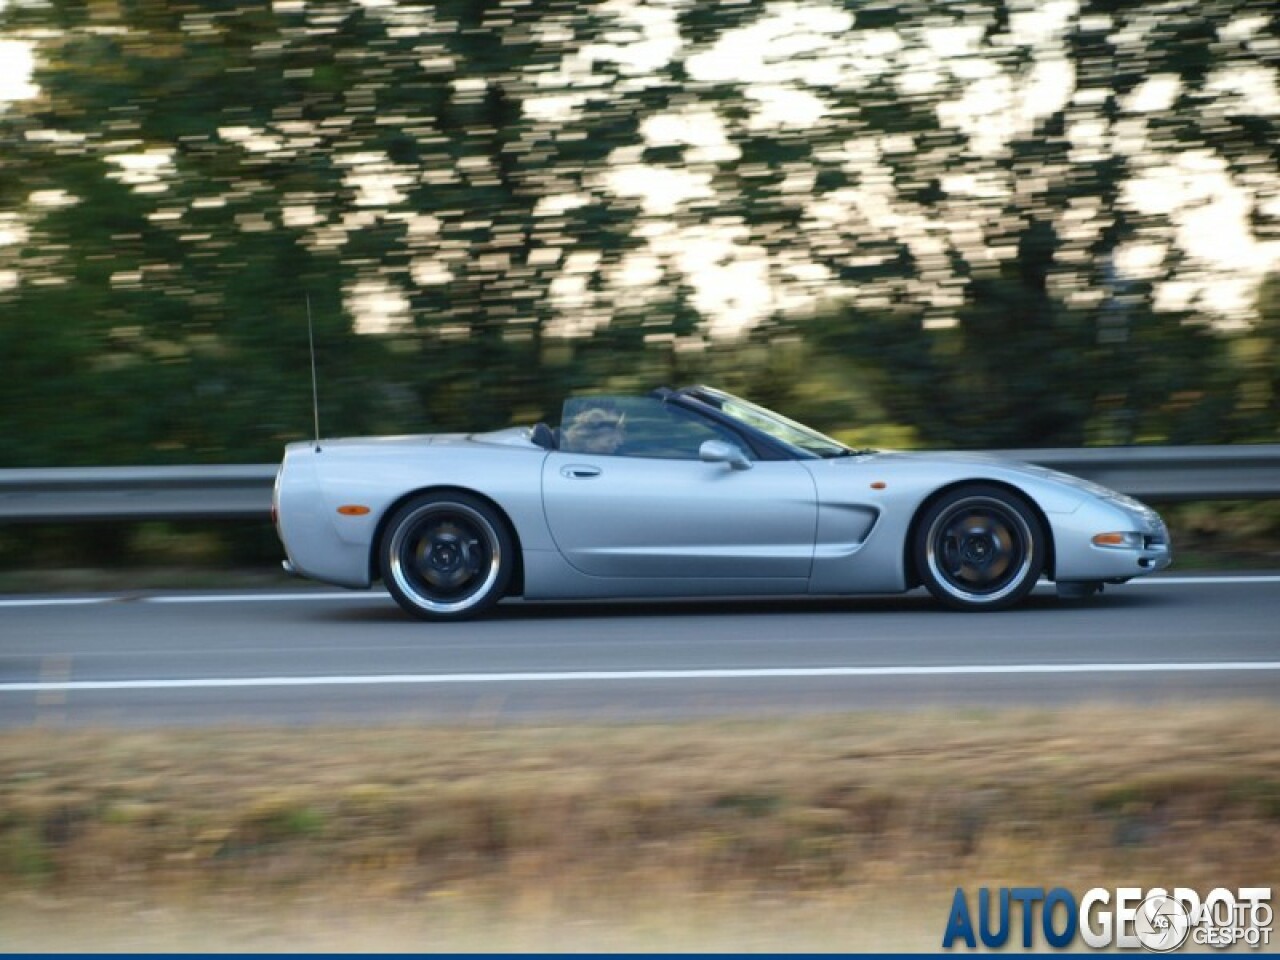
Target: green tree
{"points": [[190, 174]]}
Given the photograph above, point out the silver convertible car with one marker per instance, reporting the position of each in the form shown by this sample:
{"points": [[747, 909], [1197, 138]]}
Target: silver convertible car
{"points": [[687, 493]]}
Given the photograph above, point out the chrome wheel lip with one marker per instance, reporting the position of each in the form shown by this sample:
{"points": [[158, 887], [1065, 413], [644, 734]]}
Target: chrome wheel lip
{"points": [[413, 588], [1009, 517]]}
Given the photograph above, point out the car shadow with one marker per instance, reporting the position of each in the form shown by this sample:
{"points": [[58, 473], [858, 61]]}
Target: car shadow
{"points": [[916, 602]]}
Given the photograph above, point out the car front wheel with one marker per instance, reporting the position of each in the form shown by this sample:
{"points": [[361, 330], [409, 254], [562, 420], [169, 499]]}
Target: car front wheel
{"points": [[980, 547], [446, 556]]}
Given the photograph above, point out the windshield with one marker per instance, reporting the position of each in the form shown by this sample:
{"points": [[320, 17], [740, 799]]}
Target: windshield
{"points": [[793, 434]]}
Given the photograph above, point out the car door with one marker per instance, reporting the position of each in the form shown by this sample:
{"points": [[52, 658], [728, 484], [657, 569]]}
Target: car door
{"points": [[652, 508]]}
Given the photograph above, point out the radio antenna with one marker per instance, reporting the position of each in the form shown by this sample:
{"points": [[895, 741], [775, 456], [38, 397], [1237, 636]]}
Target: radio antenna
{"points": [[315, 390]]}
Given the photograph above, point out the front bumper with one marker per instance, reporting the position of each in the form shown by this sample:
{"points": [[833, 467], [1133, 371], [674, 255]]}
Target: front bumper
{"points": [[1110, 541]]}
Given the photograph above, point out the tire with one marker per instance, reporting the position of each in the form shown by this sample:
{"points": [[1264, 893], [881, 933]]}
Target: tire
{"points": [[446, 556], [979, 547]]}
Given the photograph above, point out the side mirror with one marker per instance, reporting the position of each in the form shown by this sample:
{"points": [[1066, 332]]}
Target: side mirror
{"points": [[717, 451]]}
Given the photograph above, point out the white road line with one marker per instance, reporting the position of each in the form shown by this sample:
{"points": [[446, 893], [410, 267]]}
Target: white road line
{"points": [[55, 601], [1188, 581], [380, 595], [745, 673], [266, 597], [194, 598]]}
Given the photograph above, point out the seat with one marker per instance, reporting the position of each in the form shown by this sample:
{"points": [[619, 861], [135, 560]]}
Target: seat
{"points": [[543, 437]]}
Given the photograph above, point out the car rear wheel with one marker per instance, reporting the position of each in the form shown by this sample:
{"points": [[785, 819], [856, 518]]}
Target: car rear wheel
{"points": [[980, 547], [446, 556]]}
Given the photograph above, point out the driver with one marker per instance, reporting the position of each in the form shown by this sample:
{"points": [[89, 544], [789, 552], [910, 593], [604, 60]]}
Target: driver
{"points": [[595, 430]]}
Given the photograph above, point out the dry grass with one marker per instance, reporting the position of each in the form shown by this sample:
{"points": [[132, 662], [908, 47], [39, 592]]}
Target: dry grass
{"points": [[845, 832]]}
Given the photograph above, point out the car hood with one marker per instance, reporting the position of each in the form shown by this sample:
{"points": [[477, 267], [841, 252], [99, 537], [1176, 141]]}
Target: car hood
{"points": [[962, 457], [1009, 468]]}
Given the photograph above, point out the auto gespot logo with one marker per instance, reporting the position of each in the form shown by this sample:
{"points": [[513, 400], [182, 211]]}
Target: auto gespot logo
{"points": [[1126, 918]]}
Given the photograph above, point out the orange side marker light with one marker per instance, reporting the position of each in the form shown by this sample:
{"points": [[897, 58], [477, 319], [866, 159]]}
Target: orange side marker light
{"points": [[353, 510]]}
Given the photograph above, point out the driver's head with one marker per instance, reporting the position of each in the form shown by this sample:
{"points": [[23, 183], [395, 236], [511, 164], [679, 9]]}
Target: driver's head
{"points": [[595, 430]]}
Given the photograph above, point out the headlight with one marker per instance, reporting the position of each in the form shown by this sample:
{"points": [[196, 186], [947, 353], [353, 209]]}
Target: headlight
{"points": [[1136, 507]]}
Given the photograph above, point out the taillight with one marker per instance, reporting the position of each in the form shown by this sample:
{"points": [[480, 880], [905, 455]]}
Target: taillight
{"points": [[275, 499]]}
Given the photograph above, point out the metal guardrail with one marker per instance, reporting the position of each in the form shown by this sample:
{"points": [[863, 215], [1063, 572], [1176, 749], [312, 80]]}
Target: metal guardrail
{"points": [[137, 493], [1171, 474], [1159, 474]]}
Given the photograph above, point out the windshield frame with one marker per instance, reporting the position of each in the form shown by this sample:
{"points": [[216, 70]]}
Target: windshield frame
{"points": [[802, 441]]}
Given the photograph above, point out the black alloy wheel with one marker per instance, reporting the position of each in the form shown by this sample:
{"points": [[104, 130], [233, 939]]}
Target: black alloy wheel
{"points": [[446, 556], [980, 547]]}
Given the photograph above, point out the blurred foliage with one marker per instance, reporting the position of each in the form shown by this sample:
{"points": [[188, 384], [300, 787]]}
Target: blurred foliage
{"points": [[932, 211], [178, 553], [522, 817]]}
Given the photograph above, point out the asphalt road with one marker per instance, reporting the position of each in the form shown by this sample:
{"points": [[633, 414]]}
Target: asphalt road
{"points": [[321, 657]]}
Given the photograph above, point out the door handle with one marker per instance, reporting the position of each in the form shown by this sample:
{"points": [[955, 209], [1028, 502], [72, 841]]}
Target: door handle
{"points": [[579, 471]]}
